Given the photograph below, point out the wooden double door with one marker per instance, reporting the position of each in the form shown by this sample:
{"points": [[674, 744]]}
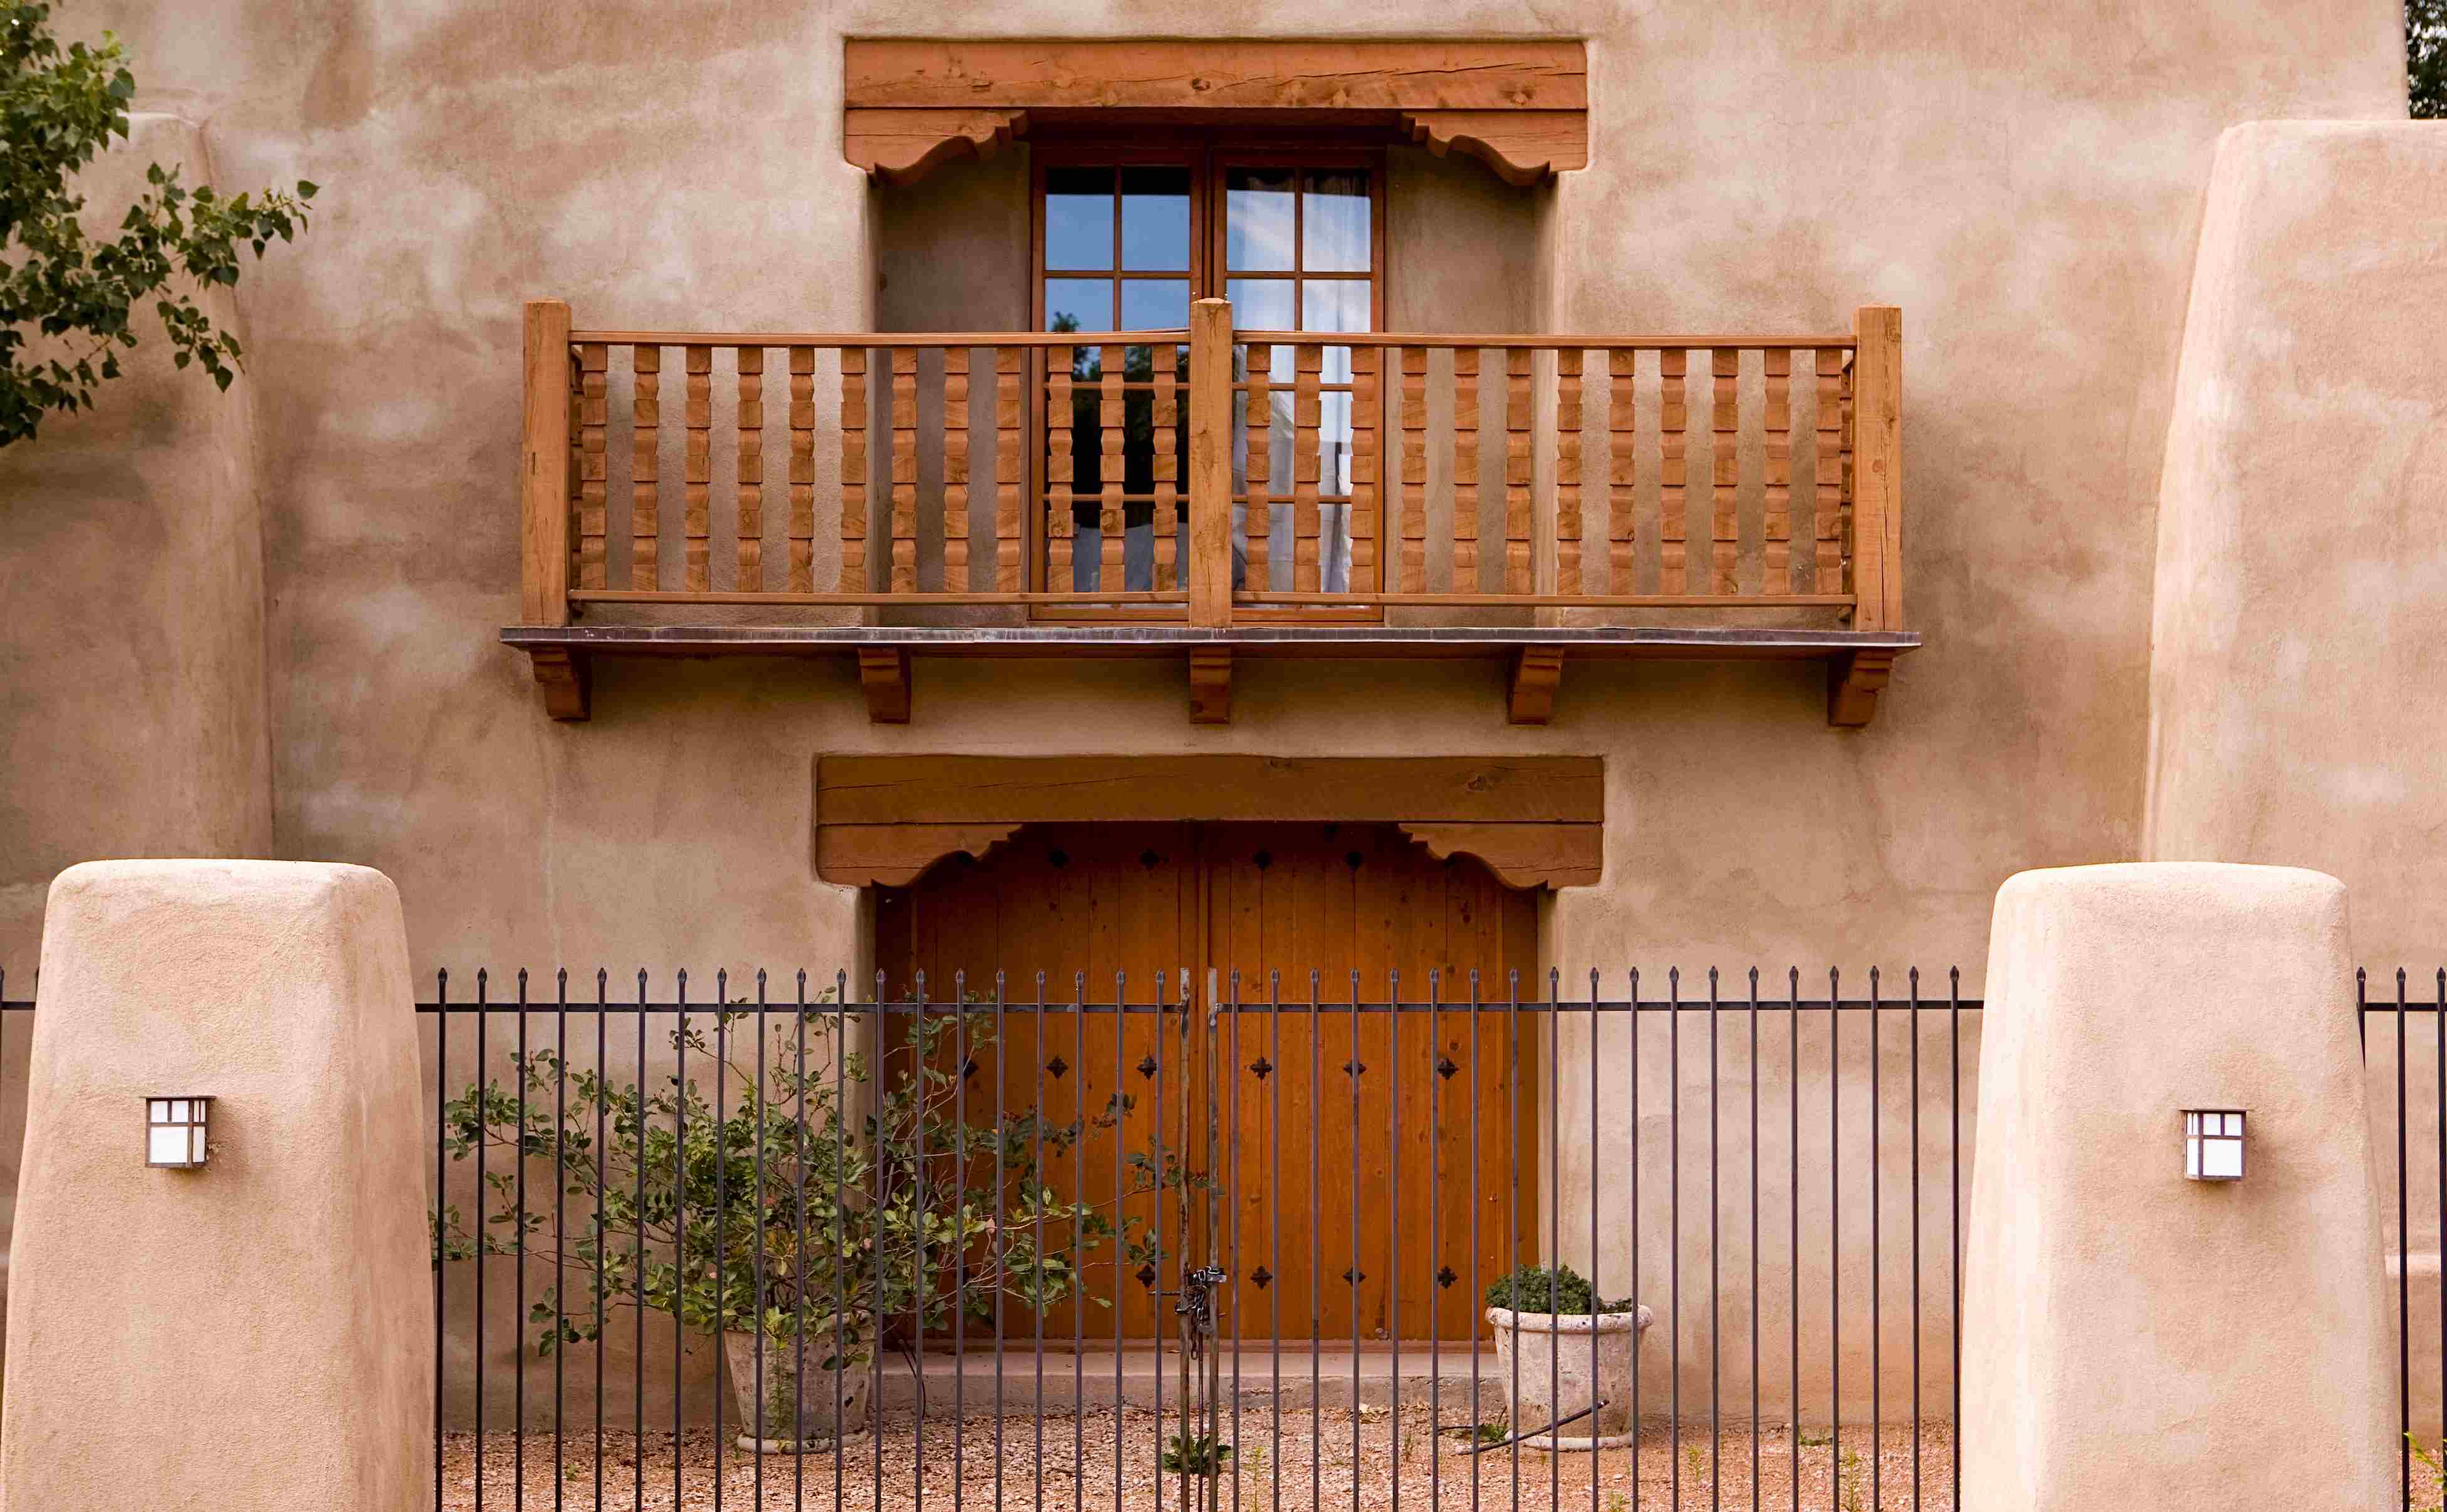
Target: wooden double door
{"points": [[1372, 1171]]}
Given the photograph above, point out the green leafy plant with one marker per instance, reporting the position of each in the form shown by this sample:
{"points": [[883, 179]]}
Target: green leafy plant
{"points": [[1847, 1476], [2425, 58], [1202, 1454], [883, 1201], [1536, 1289], [2430, 1462], [59, 106]]}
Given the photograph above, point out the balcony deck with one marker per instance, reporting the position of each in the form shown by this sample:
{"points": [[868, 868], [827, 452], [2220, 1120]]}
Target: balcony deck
{"points": [[1484, 508]]}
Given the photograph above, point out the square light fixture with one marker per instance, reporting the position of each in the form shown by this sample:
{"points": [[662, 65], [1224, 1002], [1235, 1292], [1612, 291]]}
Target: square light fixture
{"points": [[173, 1131], [2214, 1143]]}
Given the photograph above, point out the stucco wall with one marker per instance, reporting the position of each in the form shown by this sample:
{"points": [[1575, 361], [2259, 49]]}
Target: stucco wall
{"points": [[2023, 180], [131, 652]]}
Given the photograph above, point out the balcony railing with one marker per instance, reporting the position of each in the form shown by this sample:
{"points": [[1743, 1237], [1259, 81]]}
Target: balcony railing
{"points": [[1218, 488]]}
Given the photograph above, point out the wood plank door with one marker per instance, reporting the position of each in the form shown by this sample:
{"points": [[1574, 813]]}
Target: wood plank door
{"points": [[1370, 1172]]}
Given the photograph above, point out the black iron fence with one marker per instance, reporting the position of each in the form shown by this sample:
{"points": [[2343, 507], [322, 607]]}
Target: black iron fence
{"points": [[2404, 1055], [1186, 1243]]}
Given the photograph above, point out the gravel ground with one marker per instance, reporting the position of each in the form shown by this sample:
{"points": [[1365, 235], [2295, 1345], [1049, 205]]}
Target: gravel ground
{"points": [[1445, 1474]]}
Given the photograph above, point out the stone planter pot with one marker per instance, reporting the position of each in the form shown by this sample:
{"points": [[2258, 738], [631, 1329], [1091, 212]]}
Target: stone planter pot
{"points": [[1558, 1370], [793, 1411]]}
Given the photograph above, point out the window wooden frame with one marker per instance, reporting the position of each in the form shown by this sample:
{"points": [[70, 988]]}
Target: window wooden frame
{"points": [[1210, 154]]}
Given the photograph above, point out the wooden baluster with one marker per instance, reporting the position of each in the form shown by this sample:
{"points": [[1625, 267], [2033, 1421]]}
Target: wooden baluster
{"points": [[1623, 465], [853, 470], [1465, 477], [1569, 403], [1209, 568], [592, 360], [1112, 430], [1520, 507], [1873, 427], [803, 469], [1827, 565], [1260, 431], [1415, 470], [1011, 543], [544, 464], [645, 468], [1367, 405], [1674, 424], [699, 419], [905, 469], [955, 470], [1776, 525], [1164, 418], [573, 469], [1308, 406], [1724, 476], [1059, 417], [751, 471]]}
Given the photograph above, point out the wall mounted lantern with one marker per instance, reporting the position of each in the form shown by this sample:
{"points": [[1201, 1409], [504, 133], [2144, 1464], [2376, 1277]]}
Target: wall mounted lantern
{"points": [[173, 1131], [2214, 1143]]}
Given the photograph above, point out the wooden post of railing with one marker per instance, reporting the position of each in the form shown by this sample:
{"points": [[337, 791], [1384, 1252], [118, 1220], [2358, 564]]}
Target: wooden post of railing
{"points": [[1210, 462], [1878, 468], [544, 467]]}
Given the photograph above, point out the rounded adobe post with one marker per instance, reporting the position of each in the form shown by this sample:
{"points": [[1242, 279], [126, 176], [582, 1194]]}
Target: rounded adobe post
{"points": [[256, 1333], [2132, 1337]]}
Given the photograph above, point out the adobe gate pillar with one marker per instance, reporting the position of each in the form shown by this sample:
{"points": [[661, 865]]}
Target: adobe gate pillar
{"points": [[258, 1333], [2131, 1338]]}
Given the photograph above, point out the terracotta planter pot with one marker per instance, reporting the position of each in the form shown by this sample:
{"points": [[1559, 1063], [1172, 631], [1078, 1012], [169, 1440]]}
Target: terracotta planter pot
{"points": [[791, 1412], [1561, 1373]]}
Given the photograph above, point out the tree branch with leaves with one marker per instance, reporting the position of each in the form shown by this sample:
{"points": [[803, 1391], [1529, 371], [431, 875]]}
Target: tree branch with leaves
{"points": [[71, 296]]}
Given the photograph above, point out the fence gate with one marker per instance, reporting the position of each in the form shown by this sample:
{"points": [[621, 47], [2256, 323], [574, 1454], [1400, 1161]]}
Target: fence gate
{"points": [[1161, 1242]]}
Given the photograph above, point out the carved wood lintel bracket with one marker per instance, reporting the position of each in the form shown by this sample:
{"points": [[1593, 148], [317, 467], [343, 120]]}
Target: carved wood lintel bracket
{"points": [[1535, 821], [1853, 683]]}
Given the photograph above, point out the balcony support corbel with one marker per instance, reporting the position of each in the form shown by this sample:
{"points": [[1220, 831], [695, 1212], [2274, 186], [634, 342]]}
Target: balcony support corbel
{"points": [[1853, 682], [1536, 672], [565, 678], [1210, 684], [884, 676]]}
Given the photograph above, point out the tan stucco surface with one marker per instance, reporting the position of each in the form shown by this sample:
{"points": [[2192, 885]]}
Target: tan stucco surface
{"points": [[2302, 565], [132, 685], [2024, 181], [255, 1334], [2134, 1338]]}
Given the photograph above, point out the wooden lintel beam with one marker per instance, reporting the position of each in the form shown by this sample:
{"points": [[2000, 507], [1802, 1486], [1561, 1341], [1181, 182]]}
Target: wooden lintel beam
{"points": [[1210, 684], [1853, 682], [565, 679], [1536, 670], [884, 675]]}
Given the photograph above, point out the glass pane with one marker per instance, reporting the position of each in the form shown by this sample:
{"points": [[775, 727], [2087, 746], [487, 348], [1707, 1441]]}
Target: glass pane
{"points": [[1265, 304], [1334, 221], [2191, 1125], [2234, 1124], [1138, 445], [197, 1153], [2222, 1157], [1334, 444], [1078, 217], [1335, 305], [168, 1147], [1078, 304], [1155, 220], [1154, 304], [2192, 1157], [178, 1111], [1257, 219]]}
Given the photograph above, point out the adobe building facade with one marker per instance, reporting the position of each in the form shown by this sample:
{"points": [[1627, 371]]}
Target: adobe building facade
{"points": [[307, 581]]}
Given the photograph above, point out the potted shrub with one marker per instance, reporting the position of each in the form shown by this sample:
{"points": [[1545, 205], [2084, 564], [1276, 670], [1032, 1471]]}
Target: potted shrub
{"points": [[1558, 1349], [886, 1206]]}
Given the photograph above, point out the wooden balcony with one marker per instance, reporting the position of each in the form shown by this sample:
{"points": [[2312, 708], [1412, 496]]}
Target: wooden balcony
{"points": [[1100, 494]]}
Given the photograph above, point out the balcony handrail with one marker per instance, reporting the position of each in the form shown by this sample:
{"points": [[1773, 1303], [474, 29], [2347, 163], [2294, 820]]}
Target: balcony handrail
{"points": [[1850, 559]]}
